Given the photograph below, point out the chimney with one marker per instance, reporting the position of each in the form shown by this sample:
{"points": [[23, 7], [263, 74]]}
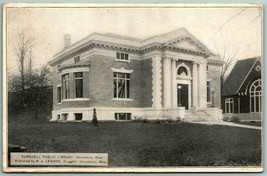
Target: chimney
{"points": [[67, 40]]}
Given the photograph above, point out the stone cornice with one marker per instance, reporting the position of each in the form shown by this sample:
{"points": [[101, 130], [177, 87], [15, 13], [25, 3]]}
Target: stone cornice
{"points": [[185, 50], [215, 62], [142, 50], [63, 67]]}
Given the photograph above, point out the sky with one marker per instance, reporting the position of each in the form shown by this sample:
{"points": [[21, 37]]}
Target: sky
{"points": [[236, 28]]}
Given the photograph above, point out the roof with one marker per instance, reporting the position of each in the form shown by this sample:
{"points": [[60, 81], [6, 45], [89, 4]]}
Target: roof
{"points": [[237, 76], [134, 44]]}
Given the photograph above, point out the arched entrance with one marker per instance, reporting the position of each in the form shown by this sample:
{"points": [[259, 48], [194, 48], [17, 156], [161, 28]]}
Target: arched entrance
{"points": [[183, 86]]}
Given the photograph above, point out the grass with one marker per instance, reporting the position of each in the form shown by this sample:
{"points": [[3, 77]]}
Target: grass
{"points": [[145, 144], [251, 123]]}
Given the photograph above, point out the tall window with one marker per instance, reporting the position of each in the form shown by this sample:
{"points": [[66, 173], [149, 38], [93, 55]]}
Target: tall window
{"points": [[58, 94], [121, 85], [76, 59], [65, 83], [255, 96], [122, 56], [208, 92], [229, 105], [78, 84]]}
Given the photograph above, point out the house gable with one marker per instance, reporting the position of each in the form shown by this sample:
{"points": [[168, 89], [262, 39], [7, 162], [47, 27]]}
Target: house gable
{"points": [[254, 74], [188, 44], [238, 76]]}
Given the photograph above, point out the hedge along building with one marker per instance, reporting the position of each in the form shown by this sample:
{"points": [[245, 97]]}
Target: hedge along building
{"points": [[168, 76]]}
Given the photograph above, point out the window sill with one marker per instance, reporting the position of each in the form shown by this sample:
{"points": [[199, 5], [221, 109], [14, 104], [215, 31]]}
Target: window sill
{"points": [[122, 99], [76, 99], [59, 103], [119, 60]]}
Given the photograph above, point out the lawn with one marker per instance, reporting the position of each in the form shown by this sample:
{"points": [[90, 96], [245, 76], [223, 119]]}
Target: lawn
{"points": [[251, 123], [145, 144]]}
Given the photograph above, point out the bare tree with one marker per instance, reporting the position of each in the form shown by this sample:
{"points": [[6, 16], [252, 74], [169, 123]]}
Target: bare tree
{"points": [[36, 94], [229, 56], [229, 53], [37, 82], [22, 47]]}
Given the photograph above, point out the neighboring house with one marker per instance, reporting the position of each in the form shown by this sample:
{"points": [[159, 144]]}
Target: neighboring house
{"points": [[242, 91], [167, 76]]}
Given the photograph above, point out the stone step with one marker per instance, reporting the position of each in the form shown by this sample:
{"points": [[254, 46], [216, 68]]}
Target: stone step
{"points": [[198, 119], [197, 116]]}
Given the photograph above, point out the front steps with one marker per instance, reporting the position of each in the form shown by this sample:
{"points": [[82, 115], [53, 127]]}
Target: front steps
{"points": [[198, 116]]}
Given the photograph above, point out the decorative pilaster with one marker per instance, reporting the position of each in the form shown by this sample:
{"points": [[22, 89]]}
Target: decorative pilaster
{"points": [[202, 85], [167, 82], [174, 84], [195, 85], [157, 82]]}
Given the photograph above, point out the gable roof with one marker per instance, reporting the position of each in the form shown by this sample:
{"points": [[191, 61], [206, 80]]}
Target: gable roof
{"points": [[238, 75]]}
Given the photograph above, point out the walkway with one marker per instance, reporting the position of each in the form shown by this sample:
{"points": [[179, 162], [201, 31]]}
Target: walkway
{"points": [[230, 124]]}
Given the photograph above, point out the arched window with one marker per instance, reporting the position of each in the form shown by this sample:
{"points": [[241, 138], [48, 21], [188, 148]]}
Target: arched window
{"points": [[255, 96], [182, 71]]}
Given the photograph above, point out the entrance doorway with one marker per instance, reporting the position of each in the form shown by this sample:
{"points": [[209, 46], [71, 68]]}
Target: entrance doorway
{"points": [[182, 95]]}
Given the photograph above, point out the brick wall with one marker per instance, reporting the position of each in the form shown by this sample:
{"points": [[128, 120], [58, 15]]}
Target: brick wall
{"points": [[146, 86], [101, 88], [56, 81], [214, 75]]}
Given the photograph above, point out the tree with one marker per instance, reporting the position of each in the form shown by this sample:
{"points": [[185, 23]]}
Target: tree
{"points": [[229, 56], [36, 83], [23, 45], [36, 93]]}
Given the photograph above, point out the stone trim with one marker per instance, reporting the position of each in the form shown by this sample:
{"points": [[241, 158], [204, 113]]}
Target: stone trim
{"points": [[141, 50], [156, 82], [77, 65], [121, 70], [75, 99]]}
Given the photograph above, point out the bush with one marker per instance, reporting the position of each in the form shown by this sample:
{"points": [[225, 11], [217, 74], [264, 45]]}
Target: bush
{"points": [[178, 119], [140, 119], [226, 119], [234, 119], [145, 121]]}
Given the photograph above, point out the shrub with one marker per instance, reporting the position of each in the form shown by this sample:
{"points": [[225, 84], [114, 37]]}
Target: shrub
{"points": [[157, 121], [178, 119], [234, 119], [140, 119], [226, 119], [145, 121]]}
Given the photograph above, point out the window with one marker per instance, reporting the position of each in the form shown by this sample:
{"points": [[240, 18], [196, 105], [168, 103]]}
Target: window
{"points": [[229, 105], [122, 56], [78, 116], [182, 71], [78, 84], [65, 83], [58, 94], [65, 117], [76, 59], [255, 96], [208, 92], [121, 85], [123, 116]]}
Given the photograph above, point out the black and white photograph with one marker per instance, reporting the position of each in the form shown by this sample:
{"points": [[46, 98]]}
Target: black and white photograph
{"points": [[132, 87]]}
